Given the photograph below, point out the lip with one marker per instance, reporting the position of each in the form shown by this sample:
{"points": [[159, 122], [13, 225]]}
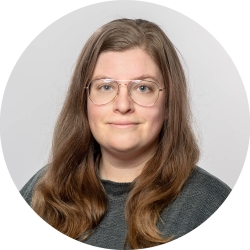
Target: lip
{"points": [[123, 124]]}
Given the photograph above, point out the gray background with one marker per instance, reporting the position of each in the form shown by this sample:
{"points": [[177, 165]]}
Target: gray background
{"points": [[37, 86]]}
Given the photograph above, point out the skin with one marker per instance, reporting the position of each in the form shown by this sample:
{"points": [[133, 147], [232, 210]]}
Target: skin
{"points": [[127, 133]]}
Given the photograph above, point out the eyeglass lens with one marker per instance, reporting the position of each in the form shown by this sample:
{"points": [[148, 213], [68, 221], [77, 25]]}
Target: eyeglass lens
{"points": [[142, 92]]}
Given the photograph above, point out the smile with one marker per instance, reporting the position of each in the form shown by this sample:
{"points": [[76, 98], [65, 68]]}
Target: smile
{"points": [[123, 125]]}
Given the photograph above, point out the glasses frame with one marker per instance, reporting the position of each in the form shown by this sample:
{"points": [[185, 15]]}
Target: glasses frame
{"points": [[127, 84]]}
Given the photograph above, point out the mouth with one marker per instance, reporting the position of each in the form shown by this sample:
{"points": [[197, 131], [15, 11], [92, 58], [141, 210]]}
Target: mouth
{"points": [[123, 124]]}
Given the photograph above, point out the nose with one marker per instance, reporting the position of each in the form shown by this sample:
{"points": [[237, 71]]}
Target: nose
{"points": [[123, 102]]}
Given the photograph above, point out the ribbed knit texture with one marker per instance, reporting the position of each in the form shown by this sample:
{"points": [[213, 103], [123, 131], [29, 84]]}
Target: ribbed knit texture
{"points": [[201, 196]]}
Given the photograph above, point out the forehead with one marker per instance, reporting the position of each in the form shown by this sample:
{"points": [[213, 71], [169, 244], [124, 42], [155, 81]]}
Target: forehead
{"points": [[129, 64]]}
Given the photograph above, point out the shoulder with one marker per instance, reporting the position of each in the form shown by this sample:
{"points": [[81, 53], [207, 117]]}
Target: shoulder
{"points": [[205, 191], [28, 188], [203, 184], [200, 197]]}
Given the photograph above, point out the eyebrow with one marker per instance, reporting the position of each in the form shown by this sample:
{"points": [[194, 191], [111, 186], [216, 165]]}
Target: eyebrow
{"points": [[141, 77]]}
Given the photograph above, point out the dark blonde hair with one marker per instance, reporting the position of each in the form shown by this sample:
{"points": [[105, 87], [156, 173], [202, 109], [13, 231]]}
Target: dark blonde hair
{"points": [[70, 196]]}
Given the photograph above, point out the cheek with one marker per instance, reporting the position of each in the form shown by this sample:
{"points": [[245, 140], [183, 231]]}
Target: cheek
{"points": [[96, 117], [92, 116], [157, 119], [154, 123]]}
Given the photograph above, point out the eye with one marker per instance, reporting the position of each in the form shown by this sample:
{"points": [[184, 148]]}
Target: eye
{"points": [[105, 87], [143, 88]]}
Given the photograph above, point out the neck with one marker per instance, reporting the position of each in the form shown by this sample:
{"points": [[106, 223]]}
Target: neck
{"points": [[122, 168]]}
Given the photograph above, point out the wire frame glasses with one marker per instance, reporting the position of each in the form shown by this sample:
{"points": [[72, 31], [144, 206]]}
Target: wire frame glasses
{"points": [[142, 92]]}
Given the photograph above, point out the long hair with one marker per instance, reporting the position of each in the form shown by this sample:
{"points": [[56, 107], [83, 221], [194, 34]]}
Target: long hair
{"points": [[70, 196]]}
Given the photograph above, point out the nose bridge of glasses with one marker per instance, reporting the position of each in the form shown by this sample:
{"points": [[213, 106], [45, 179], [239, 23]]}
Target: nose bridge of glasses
{"points": [[119, 84], [124, 83]]}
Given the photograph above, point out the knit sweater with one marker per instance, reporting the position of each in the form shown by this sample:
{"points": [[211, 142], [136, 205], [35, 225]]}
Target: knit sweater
{"points": [[200, 197]]}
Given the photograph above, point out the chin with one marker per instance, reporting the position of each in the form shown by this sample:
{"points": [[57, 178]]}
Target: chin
{"points": [[122, 147]]}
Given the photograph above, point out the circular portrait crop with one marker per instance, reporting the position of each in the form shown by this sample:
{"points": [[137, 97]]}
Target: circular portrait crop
{"points": [[124, 128]]}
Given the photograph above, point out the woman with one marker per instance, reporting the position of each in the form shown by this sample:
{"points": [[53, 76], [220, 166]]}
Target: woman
{"points": [[123, 172]]}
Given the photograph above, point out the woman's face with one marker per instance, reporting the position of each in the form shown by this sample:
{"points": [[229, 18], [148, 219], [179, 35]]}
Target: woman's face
{"points": [[123, 126]]}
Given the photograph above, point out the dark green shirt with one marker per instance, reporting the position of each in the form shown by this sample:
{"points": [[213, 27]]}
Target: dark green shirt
{"points": [[201, 196]]}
